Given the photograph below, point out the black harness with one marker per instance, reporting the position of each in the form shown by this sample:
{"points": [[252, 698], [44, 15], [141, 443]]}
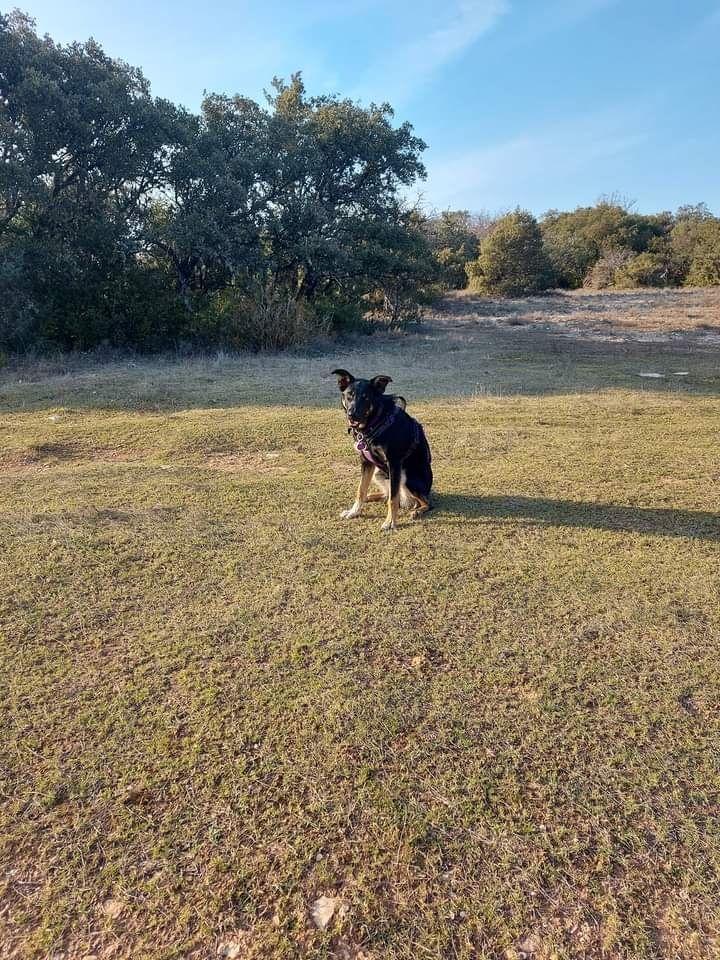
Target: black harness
{"points": [[363, 438]]}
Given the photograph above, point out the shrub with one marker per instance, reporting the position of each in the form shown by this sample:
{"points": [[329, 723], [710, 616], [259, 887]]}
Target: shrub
{"points": [[705, 266], [266, 317], [577, 240], [340, 314], [454, 237], [394, 269], [695, 241], [512, 259], [18, 310], [603, 273], [644, 270]]}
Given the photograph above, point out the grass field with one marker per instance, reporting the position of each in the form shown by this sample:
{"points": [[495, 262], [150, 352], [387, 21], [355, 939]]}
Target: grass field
{"points": [[494, 733]]}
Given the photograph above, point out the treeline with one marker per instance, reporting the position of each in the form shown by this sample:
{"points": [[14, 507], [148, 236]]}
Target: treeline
{"points": [[606, 245], [130, 221], [125, 219]]}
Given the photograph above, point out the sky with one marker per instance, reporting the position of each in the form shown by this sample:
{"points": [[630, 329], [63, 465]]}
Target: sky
{"points": [[540, 104]]}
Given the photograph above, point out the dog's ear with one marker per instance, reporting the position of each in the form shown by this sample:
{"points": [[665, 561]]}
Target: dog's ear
{"points": [[399, 401], [380, 383], [344, 378]]}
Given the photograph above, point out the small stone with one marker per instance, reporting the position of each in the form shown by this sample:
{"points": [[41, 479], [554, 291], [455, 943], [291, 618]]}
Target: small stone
{"points": [[113, 908], [230, 950], [322, 911]]}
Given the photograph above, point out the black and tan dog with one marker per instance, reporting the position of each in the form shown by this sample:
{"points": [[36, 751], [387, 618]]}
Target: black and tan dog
{"points": [[394, 452]]}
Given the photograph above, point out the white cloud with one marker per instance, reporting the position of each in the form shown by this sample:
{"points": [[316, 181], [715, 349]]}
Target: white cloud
{"points": [[505, 174], [447, 34], [470, 21]]}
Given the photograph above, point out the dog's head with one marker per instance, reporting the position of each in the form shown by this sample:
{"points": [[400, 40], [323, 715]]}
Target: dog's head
{"points": [[362, 398]]}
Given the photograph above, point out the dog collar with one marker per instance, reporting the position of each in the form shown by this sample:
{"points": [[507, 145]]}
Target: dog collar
{"points": [[373, 430]]}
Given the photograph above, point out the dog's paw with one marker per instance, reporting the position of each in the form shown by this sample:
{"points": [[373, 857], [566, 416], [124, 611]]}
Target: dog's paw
{"points": [[350, 514], [388, 526]]}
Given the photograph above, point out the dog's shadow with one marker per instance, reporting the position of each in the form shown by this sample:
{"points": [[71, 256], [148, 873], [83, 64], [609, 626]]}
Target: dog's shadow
{"points": [[658, 521]]}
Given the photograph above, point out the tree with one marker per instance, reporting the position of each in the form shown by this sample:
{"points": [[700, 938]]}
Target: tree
{"points": [[396, 260], [695, 244], [454, 236], [512, 260], [105, 191], [206, 222], [290, 195], [577, 240], [84, 145], [339, 169], [704, 266]]}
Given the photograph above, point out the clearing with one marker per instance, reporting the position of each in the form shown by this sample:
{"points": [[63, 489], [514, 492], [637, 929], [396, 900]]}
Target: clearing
{"points": [[230, 719]]}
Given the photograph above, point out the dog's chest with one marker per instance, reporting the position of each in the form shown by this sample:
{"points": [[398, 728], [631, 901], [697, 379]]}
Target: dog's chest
{"points": [[371, 453]]}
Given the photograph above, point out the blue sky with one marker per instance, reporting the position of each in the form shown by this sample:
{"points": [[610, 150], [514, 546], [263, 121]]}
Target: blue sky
{"points": [[537, 103]]}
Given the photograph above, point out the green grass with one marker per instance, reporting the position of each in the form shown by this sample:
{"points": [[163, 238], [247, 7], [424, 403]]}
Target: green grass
{"points": [[496, 728]]}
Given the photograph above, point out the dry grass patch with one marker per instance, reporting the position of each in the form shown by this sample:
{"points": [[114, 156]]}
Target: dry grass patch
{"points": [[643, 314]]}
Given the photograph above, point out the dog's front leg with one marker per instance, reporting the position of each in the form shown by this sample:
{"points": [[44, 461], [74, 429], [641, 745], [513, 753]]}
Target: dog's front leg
{"points": [[366, 474], [393, 499]]}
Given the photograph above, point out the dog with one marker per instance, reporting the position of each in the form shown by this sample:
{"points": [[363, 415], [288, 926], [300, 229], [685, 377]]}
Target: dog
{"points": [[394, 451]]}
